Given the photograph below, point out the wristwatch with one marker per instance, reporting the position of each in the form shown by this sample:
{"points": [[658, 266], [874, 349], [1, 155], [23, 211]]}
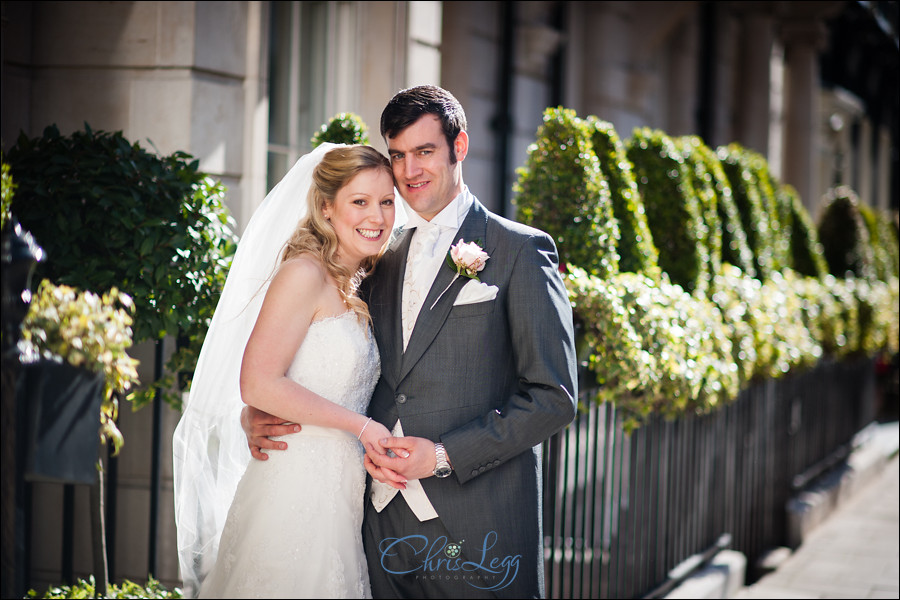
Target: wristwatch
{"points": [[442, 468]]}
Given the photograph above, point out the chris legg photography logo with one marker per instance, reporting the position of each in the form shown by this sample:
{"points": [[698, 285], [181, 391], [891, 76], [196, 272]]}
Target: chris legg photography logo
{"points": [[442, 560]]}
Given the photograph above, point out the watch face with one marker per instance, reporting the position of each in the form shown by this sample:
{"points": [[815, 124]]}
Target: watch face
{"points": [[442, 471]]}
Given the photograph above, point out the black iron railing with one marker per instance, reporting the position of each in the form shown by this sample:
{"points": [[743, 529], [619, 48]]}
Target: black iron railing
{"points": [[629, 516]]}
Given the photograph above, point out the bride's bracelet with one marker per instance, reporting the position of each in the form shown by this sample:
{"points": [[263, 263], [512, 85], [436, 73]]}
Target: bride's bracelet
{"points": [[359, 437]]}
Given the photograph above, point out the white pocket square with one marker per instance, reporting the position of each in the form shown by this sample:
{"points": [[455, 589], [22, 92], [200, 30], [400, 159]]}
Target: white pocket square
{"points": [[475, 291]]}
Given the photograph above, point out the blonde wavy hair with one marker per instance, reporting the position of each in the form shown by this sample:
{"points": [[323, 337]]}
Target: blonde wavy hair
{"points": [[315, 235]]}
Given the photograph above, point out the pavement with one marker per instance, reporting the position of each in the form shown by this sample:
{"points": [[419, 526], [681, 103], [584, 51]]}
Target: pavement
{"points": [[853, 551], [844, 528]]}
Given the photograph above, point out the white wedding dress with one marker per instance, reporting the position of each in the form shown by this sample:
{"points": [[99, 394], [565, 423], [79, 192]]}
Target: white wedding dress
{"points": [[294, 529]]}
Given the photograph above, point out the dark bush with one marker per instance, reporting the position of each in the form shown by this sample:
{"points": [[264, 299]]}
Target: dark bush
{"points": [[845, 236], [110, 214]]}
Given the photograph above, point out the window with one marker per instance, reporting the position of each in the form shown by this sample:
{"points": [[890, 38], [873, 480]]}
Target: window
{"points": [[304, 39]]}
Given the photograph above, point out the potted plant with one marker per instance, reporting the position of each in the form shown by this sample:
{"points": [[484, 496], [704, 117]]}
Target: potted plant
{"points": [[342, 128], [75, 367]]}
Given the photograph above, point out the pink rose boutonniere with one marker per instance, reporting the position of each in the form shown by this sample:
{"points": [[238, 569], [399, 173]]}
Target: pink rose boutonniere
{"points": [[467, 259]]}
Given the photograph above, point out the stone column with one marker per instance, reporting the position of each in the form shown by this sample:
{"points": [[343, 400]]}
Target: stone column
{"points": [[604, 64], [753, 110], [864, 177], [803, 42]]}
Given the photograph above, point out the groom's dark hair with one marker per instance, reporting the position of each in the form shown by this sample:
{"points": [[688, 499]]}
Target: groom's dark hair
{"points": [[408, 105]]}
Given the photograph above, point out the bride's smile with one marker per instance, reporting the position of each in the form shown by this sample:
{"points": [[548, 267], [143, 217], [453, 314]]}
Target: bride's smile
{"points": [[362, 215]]}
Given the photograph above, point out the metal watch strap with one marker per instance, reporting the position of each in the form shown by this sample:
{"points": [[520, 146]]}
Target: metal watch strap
{"points": [[442, 466]]}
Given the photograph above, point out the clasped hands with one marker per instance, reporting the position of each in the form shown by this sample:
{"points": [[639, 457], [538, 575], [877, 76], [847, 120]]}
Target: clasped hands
{"points": [[390, 460]]}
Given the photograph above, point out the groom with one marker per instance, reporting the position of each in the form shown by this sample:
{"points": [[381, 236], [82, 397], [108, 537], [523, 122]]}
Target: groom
{"points": [[475, 375]]}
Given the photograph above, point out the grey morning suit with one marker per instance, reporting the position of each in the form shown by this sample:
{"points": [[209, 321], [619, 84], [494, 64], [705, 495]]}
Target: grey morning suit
{"points": [[490, 380]]}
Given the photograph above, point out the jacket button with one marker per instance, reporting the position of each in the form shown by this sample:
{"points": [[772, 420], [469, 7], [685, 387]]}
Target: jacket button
{"points": [[401, 398]]}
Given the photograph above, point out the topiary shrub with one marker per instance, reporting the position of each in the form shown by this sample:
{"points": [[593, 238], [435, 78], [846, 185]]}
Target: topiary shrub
{"points": [[343, 128], [109, 214], [845, 236], [637, 253], [754, 218], [704, 185], [673, 213], [883, 243], [735, 250], [774, 205], [807, 256], [562, 191], [888, 240]]}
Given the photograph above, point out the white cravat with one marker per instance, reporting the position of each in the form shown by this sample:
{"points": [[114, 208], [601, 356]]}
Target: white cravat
{"points": [[419, 276]]}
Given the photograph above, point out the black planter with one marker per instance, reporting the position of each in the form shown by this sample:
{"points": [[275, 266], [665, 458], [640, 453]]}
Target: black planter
{"points": [[63, 407]]}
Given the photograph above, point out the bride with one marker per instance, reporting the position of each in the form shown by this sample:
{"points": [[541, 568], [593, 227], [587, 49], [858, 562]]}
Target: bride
{"points": [[290, 337]]}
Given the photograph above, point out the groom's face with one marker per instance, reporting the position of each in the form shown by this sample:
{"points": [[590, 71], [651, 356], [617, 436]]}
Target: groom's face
{"points": [[423, 172]]}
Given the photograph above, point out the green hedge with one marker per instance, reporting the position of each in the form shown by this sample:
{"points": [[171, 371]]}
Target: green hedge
{"points": [[735, 250], [743, 291], [8, 190], [883, 241], [637, 252], [775, 206], [807, 255], [754, 218], [652, 347], [673, 210], [704, 185], [562, 191]]}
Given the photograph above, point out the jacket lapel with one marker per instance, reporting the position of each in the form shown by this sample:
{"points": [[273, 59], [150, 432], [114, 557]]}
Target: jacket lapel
{"points": [[431, 320], [389, 311]]}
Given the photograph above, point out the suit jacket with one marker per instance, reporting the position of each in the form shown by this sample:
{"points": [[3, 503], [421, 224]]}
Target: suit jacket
{"points": [[490, 380]]}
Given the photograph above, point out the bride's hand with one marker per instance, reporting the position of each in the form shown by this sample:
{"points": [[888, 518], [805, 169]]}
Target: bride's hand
{"points": [[411, 457], [258, 426], [371, 437], [386, 476]]}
